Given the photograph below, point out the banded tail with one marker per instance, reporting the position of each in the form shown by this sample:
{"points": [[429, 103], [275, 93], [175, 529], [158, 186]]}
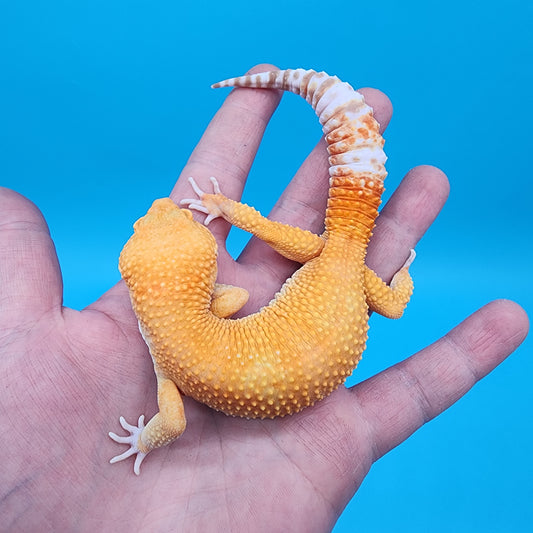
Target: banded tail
{"points": [[355, 146]]}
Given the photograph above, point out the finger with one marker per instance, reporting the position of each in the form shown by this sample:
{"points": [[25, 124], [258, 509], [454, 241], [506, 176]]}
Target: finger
{"points": [[226, 150], [30, 279], [399, 400], [405, 218], [229, 145], [303, 203], [402, 222]]}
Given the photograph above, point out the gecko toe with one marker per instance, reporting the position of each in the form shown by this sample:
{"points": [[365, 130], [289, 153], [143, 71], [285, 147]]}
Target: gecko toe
{"points": [[133, 440]]}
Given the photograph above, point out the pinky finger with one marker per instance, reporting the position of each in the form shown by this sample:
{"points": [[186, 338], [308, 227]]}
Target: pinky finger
{"points": [[399, 400]]}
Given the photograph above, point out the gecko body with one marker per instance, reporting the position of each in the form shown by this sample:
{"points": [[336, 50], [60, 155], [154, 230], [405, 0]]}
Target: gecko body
{"points": [[308, 340]]}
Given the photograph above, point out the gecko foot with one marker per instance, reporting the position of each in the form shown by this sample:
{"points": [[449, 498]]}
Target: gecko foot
{"points": [[132, 439], [200, 203], [410, 259]]}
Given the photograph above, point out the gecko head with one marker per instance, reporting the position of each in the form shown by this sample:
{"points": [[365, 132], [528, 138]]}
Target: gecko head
{"points": [[165, 217], [167, 235], [164, 213]]}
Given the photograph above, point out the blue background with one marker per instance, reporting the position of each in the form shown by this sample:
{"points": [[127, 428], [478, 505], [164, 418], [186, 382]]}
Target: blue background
{"points": [[102, 102]]}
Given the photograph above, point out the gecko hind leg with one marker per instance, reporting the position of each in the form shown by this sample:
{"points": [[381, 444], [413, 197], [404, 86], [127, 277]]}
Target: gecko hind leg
{"points": [[389, 300], [199, 204], [290, 241]]}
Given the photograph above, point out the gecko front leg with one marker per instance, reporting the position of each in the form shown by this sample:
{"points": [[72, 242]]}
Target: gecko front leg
{"points": [[167, 425], [133, 439]]}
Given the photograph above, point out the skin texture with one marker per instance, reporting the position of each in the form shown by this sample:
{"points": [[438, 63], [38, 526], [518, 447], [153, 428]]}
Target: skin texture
{"points": [[301, 346], [65, 373]]}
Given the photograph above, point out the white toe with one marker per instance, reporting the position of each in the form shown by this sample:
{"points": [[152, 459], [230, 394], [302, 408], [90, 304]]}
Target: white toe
{"points": [[132, 439]]}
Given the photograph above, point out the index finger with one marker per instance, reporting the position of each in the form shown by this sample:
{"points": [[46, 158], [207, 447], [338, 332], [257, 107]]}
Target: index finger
{"points": [[226, 150], [228, 147]]}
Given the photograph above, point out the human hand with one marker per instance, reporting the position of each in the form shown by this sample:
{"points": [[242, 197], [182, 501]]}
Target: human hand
{"points": [[66, 374]]}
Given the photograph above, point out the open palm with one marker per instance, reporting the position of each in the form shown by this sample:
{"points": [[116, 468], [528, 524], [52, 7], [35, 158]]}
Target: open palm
{"points": [[66, 375]]}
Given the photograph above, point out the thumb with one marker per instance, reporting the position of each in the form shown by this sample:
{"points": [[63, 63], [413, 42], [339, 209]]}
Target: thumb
{"points": [[30, 278]]}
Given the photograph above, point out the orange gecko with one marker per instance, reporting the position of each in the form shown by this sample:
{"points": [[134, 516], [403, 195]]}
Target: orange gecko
{"points": [[308, 340]]}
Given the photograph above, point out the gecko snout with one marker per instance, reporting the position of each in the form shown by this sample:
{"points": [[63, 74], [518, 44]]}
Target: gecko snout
{"points": [[164, 213]]}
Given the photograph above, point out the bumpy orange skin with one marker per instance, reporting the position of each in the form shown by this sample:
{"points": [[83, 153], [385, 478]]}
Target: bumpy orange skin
{"points": [[304, 344], [272, 363]]}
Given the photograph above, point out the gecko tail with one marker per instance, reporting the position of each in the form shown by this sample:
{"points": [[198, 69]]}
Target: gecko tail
{"points": [[293, 80], [353, 138], [351, 132]]}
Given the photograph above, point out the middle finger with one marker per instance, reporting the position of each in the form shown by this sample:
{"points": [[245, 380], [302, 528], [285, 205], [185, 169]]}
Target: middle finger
{"points": [[303, 203]]}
